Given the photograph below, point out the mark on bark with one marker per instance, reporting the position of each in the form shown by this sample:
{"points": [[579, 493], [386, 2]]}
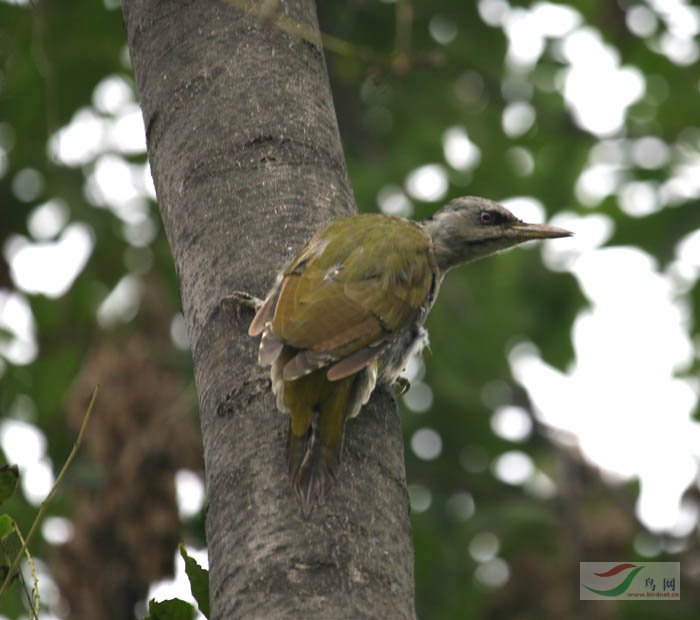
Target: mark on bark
{"points": [[306, 567], [242, 395], [150, 127], [316, 52]]}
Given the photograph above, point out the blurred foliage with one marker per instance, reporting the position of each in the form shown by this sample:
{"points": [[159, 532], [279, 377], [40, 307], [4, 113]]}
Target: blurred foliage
{"points": [[393, 111]]}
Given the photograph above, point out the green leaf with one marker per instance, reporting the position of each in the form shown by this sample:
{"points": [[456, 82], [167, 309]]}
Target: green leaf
{"points": [[172, 609], [5, 526], [9, 546], [9, 475], [199, 581]]}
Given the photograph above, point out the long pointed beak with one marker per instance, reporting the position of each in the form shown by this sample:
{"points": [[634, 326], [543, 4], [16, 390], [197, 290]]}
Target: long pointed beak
{"points": [[539, 231]]}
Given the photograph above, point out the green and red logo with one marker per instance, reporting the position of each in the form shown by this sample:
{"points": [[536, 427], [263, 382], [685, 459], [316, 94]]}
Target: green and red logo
{"points": [[624, 580], [613, 572]]}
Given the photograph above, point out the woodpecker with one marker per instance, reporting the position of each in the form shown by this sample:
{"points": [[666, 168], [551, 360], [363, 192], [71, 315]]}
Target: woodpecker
{"points": [[344, 316]]}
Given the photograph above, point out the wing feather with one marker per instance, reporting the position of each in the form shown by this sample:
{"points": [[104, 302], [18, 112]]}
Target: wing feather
{"points": [[348, 292]]}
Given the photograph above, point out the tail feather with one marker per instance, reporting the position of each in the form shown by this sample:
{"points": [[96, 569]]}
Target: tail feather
{"points": [[318, 409], [312, 466], [296, 450]]}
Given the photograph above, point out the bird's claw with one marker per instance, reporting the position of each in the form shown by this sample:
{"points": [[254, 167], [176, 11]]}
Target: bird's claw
{"points": [[244, 303], [245, 300], [402, 385]]}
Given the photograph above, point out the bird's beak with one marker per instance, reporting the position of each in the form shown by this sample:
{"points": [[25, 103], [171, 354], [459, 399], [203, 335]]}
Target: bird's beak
{"points": [[539, 231]]}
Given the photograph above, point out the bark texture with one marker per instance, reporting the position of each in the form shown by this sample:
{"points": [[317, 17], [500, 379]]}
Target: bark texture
{"points": [[247, 162]]}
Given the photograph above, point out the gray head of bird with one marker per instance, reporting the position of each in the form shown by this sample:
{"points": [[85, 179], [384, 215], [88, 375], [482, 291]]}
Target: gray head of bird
{"points": [[470, 228]]}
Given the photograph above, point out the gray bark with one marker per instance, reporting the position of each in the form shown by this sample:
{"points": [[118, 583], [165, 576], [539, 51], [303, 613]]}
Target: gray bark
{"points": [[247, 162]]}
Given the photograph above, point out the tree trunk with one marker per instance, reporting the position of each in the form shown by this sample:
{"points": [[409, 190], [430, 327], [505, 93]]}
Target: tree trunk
{"points": [[247, 162]]}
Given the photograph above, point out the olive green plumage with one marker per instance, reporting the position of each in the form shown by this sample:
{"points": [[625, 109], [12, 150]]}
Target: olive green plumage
{"points": [[348, 311]]}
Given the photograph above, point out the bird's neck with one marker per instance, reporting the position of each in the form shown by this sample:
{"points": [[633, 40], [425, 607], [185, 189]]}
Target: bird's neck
{"points": [[450, 248]]}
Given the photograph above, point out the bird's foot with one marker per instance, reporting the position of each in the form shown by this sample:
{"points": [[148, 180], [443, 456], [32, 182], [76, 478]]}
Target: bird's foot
{"points": [[246, 300], [402, 385], [244, 303]]}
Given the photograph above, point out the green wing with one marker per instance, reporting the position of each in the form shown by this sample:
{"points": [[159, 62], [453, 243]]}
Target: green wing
{"points": [[358, 282]]}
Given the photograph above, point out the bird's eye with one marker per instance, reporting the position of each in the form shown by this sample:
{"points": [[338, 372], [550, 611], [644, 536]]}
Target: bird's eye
{"points": [[486, 217]]}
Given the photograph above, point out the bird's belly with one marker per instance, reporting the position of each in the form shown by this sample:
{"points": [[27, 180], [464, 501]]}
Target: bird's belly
{"points": [[393, 360]]}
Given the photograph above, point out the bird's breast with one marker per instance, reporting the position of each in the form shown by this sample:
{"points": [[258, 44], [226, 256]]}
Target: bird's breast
{"points": [[393, 360]]}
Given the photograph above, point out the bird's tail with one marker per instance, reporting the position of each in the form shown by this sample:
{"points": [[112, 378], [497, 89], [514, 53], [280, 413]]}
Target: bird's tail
{"points": [[312, 466], [315, 444]]}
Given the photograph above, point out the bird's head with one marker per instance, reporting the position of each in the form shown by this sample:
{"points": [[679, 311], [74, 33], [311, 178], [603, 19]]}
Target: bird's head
{"points": [[470, 227]]}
